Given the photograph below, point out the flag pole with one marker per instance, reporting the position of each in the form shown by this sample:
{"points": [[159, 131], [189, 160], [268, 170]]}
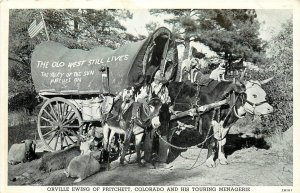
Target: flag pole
{"points": [[45, 26]]}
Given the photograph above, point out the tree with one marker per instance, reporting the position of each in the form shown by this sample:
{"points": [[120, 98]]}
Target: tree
{"points": [[231, 33]]}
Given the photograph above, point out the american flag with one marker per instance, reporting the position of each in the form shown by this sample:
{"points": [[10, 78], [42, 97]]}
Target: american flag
{"points": [[34, 29]]}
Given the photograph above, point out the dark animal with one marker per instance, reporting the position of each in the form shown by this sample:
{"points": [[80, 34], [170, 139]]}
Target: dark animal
{"points": [[133, 120], [197, 54], [185, 96], [59, 160]]}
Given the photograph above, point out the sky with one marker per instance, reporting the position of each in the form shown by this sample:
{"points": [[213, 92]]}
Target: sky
{"points": [[270, 19]]}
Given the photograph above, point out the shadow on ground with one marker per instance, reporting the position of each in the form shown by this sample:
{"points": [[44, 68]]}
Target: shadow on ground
{"points": [[234, 142]]}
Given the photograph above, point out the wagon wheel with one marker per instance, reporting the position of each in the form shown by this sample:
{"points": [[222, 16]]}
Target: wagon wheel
{"points": [[59, 124]]}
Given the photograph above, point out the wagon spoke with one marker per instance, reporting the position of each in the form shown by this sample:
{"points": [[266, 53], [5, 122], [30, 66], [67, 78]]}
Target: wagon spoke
{"points": [[65, 138], [58, 111], [46, 119], [56, 141], [46, 126], [49, 115], [52, 137], [49, 132], [72, 126], [53, 111], [61, 141], [72, 133], [70, 120], [69, 112], [63, 112], [69, 138]]}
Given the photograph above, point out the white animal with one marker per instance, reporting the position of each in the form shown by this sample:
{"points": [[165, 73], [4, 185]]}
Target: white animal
{"points": [[82, 167], [21, 152], [85, 164], [186, 66], [256, 103], [218, 73], [85, 146]]}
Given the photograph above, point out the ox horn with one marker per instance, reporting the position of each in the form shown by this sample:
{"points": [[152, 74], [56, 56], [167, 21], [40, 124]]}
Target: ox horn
{"points": [[266, 81]]}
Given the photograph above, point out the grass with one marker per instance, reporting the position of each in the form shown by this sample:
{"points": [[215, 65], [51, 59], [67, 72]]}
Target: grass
{"points": [[248, 124], [21, 126], [21, 132], [20, 117], [282, 144]]}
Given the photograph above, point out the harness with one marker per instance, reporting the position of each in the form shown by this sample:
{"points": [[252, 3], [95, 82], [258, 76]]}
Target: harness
{"points": [[254, 105], [136, 114], [217, 111]]}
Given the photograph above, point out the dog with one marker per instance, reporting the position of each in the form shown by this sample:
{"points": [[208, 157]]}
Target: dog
{"points": [[218, 73], [83, 166], [188, 68], [86, 164]]}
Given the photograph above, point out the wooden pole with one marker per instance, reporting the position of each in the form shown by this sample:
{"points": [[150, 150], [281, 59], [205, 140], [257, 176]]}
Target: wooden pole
{"points": [[201, 109], [45, 26]]}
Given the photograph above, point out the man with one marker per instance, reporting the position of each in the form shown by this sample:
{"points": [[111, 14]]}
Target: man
{"points": [[159, 88]]}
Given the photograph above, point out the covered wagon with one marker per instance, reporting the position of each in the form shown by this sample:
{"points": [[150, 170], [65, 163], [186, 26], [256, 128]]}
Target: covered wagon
{"points": [[75, 83]]}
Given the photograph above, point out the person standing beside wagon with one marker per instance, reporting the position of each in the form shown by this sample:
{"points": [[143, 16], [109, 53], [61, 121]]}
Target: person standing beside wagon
{"points": [[158, 88]]}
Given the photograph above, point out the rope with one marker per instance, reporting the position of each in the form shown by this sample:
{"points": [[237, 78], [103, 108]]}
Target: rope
{"points": [[193, 147], [182, 148], [185, 148], [214, 112]]}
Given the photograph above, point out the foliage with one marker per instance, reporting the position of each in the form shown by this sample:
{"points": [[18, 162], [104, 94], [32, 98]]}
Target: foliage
{"points": [[74, 28], [280, 89], [232, 34]]}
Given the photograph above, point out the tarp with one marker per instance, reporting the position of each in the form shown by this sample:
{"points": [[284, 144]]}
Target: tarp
{"points": [[60, 70]]}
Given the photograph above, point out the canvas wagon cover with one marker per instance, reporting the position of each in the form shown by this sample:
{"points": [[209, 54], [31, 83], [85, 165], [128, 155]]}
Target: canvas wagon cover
{"points": [[56, 68], [59, 70]]}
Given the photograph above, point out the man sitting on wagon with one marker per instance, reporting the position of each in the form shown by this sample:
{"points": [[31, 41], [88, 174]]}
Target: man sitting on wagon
{"points": [[159, 88]]}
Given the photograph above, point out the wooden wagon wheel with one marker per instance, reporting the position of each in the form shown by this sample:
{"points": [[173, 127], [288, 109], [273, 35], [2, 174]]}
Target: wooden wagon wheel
{"points": [[59, 124]]}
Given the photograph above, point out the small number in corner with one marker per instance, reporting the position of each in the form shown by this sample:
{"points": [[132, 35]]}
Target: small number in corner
{"points": [[286, 190]]}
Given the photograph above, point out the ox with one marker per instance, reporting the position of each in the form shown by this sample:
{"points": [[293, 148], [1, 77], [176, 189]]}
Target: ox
{"points": [[243, 98], [132, 120]]}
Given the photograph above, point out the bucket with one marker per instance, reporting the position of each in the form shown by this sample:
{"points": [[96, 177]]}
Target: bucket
{"points": [[87, 110]]}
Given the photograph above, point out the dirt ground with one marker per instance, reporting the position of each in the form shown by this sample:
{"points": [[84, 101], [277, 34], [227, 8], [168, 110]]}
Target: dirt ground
{"points": [[252, 164]]}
